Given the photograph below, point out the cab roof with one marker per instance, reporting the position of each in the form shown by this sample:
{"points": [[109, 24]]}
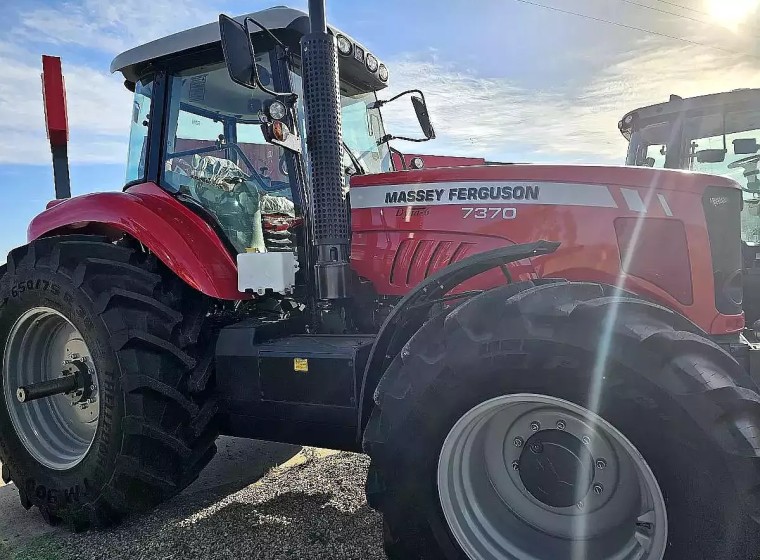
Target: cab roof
{"points": [[702, 104], [279, 17]]}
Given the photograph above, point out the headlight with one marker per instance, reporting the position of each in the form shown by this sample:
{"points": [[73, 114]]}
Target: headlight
{"points": [[417, 163], [277, 110], [383, 73], [344, 45], [371, 62]]}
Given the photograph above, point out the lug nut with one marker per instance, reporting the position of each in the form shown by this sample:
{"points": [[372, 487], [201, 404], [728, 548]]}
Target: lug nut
{"points": [[518, 442], [598, 489], [580, 505], [601, 464], [515, 466], [535, 426], [561, 425], [586, 440]]}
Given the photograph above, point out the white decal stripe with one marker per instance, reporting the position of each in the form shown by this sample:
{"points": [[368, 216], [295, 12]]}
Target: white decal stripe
{"points": [[633, 200], [456, 193], [665, 205]]}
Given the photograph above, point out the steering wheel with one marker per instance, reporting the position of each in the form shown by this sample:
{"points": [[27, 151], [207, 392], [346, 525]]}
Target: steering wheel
{"points": [[745, 162], [751, 173], [262, 181]]}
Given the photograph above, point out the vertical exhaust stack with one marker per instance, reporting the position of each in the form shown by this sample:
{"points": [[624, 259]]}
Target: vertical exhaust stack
{"points": [[323, 124], [56, 122]]}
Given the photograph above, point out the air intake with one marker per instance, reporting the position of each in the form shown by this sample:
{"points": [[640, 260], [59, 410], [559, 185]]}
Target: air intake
{"points": [[323, 125]]}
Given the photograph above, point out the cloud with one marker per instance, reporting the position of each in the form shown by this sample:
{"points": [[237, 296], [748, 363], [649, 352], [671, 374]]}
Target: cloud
{"points": [[113, 27], [495, 118], [98, 111], [98, 104]]}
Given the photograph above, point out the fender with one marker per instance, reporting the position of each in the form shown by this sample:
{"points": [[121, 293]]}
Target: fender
{"points": [[180, 238], [411, 312]]}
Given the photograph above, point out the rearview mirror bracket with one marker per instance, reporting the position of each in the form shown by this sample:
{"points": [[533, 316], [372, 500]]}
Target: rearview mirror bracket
{"points": [[240, 57], [420, 109]]}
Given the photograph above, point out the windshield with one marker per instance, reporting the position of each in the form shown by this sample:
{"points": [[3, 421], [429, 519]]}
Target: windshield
{"points": [[216, 155], [362, 127], [701, 147], [706, 133]]}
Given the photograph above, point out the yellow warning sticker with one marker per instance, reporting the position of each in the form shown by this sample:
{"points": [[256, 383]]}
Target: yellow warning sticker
{"points": [[301, 364]]}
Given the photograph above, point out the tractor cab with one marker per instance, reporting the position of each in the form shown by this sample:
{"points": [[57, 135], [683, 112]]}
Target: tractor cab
{"points": [[238, 154], [717, 134]]}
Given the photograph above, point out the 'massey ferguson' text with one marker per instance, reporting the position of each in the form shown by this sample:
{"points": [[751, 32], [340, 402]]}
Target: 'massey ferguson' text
{"points": [[518, 192]]}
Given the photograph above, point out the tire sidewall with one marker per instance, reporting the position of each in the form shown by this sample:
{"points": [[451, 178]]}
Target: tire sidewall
{"points": [[59, 490], [670, 441]]}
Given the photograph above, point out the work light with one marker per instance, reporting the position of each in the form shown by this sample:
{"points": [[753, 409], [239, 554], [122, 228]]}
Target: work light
{"points": [[344, 45], [371, 62]]}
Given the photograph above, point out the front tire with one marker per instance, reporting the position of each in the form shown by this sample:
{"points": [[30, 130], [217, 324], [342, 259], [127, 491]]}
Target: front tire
{"points": [[625, 372], [141, 329]]}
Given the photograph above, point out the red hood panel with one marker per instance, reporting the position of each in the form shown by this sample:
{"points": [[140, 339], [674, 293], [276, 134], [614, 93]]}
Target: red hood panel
{"points": [[407, 225]]}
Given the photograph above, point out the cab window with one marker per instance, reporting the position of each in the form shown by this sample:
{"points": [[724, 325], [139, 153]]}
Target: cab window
{"points": [[215, 153], [138, 131]]}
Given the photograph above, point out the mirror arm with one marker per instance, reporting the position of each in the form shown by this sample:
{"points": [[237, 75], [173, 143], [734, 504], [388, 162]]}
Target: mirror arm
{"points": [[264, 29], [391, 137], [388, 137], [289, 96], [380, 103]]}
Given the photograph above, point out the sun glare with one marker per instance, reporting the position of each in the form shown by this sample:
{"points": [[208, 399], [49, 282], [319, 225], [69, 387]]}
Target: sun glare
{"points": [[731, 13]]}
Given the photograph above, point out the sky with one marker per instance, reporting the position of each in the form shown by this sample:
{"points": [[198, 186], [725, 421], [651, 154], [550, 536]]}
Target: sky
{"points": [[509, 80]]}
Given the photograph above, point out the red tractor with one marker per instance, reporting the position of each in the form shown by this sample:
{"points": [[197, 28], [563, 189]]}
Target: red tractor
{"points": [[542, 362]]}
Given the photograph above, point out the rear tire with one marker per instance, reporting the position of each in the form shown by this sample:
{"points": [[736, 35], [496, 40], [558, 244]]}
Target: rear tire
{"points": [[685, 405], [142, 326]]}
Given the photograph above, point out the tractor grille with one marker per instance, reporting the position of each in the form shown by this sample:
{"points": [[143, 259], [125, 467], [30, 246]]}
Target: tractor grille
{"points": [[416, 259]]}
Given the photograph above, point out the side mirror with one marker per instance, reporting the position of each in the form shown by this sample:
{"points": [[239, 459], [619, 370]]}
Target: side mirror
{"points": [[241, 59], [238, 52], [745, 146], [711, 156], [420, 109]]}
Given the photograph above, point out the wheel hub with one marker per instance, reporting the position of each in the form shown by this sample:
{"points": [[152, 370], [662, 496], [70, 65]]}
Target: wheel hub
{"points": [[531, 476], [556, 468], [57, 430]]}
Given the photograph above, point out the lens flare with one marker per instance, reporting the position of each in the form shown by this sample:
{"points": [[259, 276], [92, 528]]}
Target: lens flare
{"points": [[731, 13], [581, 526]]}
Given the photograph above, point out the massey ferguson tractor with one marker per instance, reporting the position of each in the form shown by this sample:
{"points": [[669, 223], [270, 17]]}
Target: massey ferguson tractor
{"points": [[542, 362]]}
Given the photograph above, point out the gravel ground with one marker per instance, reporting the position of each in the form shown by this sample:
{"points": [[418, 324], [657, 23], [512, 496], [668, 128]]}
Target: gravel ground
{"points": [[311, 507]]}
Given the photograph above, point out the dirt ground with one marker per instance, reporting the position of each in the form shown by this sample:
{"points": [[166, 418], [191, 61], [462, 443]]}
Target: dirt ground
{"points": [[256, 500]]}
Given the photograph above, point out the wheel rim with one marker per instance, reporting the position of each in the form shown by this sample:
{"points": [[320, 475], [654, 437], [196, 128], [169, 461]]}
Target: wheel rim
{"points": [[57, 431], [529, 476]]}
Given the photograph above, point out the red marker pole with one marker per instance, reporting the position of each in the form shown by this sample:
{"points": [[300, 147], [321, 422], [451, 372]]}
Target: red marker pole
{"points": [[56, 122]]}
